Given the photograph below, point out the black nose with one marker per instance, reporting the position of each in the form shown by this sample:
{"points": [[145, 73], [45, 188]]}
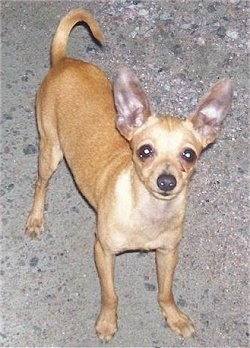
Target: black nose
{"points": [[166, 182]]}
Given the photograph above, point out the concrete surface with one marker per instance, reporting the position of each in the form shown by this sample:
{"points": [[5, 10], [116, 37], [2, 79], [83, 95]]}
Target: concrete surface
{"points": [[49, 287]]}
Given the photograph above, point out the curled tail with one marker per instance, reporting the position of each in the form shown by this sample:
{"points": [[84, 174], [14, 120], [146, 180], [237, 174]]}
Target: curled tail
{"points": [[60, 40]]}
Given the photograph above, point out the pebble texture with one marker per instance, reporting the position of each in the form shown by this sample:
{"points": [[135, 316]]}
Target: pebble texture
{"points": [[50, 290]]}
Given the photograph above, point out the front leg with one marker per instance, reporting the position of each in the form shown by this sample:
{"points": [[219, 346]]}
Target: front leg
{"points": [[166, 261], [106, 324]]}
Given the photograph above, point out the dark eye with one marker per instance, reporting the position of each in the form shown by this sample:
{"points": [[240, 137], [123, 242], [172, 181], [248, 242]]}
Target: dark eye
{"points": [[145, 151], [188, 155]]}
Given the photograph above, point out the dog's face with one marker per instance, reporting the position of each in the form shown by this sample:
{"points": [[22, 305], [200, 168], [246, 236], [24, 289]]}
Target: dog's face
{"points": [[165, 153], [166, 149]]}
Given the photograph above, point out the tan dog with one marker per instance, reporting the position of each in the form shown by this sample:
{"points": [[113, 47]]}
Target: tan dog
{"points": [[133, 168]]}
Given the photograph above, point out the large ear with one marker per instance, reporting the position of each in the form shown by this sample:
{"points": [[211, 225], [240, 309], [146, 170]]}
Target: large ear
{"points": [[211, 111], [132, 104]]}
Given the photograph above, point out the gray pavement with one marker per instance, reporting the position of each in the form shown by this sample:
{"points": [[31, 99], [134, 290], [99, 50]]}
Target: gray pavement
{"points": [[49, 287]]}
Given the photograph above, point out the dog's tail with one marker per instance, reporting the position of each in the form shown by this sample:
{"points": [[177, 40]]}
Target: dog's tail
{"points": [[60, 40]]}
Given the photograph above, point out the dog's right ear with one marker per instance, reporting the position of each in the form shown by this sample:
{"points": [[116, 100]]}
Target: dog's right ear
{"points": [[132, 104]]}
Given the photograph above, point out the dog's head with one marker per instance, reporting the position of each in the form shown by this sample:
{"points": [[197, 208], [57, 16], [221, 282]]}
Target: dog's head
{"points": [[166, 149]]}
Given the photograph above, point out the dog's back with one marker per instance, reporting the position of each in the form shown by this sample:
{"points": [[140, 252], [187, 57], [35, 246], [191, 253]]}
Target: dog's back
{"points": [[80, 95]]}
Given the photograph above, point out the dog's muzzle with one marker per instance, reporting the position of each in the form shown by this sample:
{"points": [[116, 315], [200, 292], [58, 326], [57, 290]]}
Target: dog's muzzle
{"points": [[166, 183]]}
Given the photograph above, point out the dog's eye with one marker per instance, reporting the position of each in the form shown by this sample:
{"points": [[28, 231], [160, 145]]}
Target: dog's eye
{"points": [[189, 155], [145, 151]]}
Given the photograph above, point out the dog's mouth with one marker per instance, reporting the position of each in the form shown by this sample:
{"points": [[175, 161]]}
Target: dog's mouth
{"points": [[164, 195]]}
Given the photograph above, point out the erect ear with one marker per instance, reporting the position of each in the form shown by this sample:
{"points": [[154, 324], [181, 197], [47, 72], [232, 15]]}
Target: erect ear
{"points": [[211, 111], [132, 104]]}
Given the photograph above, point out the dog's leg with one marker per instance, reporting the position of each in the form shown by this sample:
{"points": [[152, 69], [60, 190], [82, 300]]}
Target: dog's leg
{"points": [[106, 324], [166, 261], [49, 157]]}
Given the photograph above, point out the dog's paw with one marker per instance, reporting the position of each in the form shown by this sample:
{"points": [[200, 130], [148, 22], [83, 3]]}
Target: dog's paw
{"points": [[105, 329], [34, 226], [181, 324]]}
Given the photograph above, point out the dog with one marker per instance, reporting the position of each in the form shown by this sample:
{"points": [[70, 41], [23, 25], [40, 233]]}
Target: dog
{"points": [[131, 165]]}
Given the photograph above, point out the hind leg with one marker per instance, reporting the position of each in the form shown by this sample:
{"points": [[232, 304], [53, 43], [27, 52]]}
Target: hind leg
{"points": [[49, 157]]}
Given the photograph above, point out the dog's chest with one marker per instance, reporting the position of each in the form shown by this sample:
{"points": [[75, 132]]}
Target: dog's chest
{"points": [[142, 222]]}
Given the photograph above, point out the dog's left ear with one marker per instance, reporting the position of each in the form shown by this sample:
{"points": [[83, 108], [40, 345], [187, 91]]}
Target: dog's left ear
{"points": [[211, 111], [132, 104]]}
